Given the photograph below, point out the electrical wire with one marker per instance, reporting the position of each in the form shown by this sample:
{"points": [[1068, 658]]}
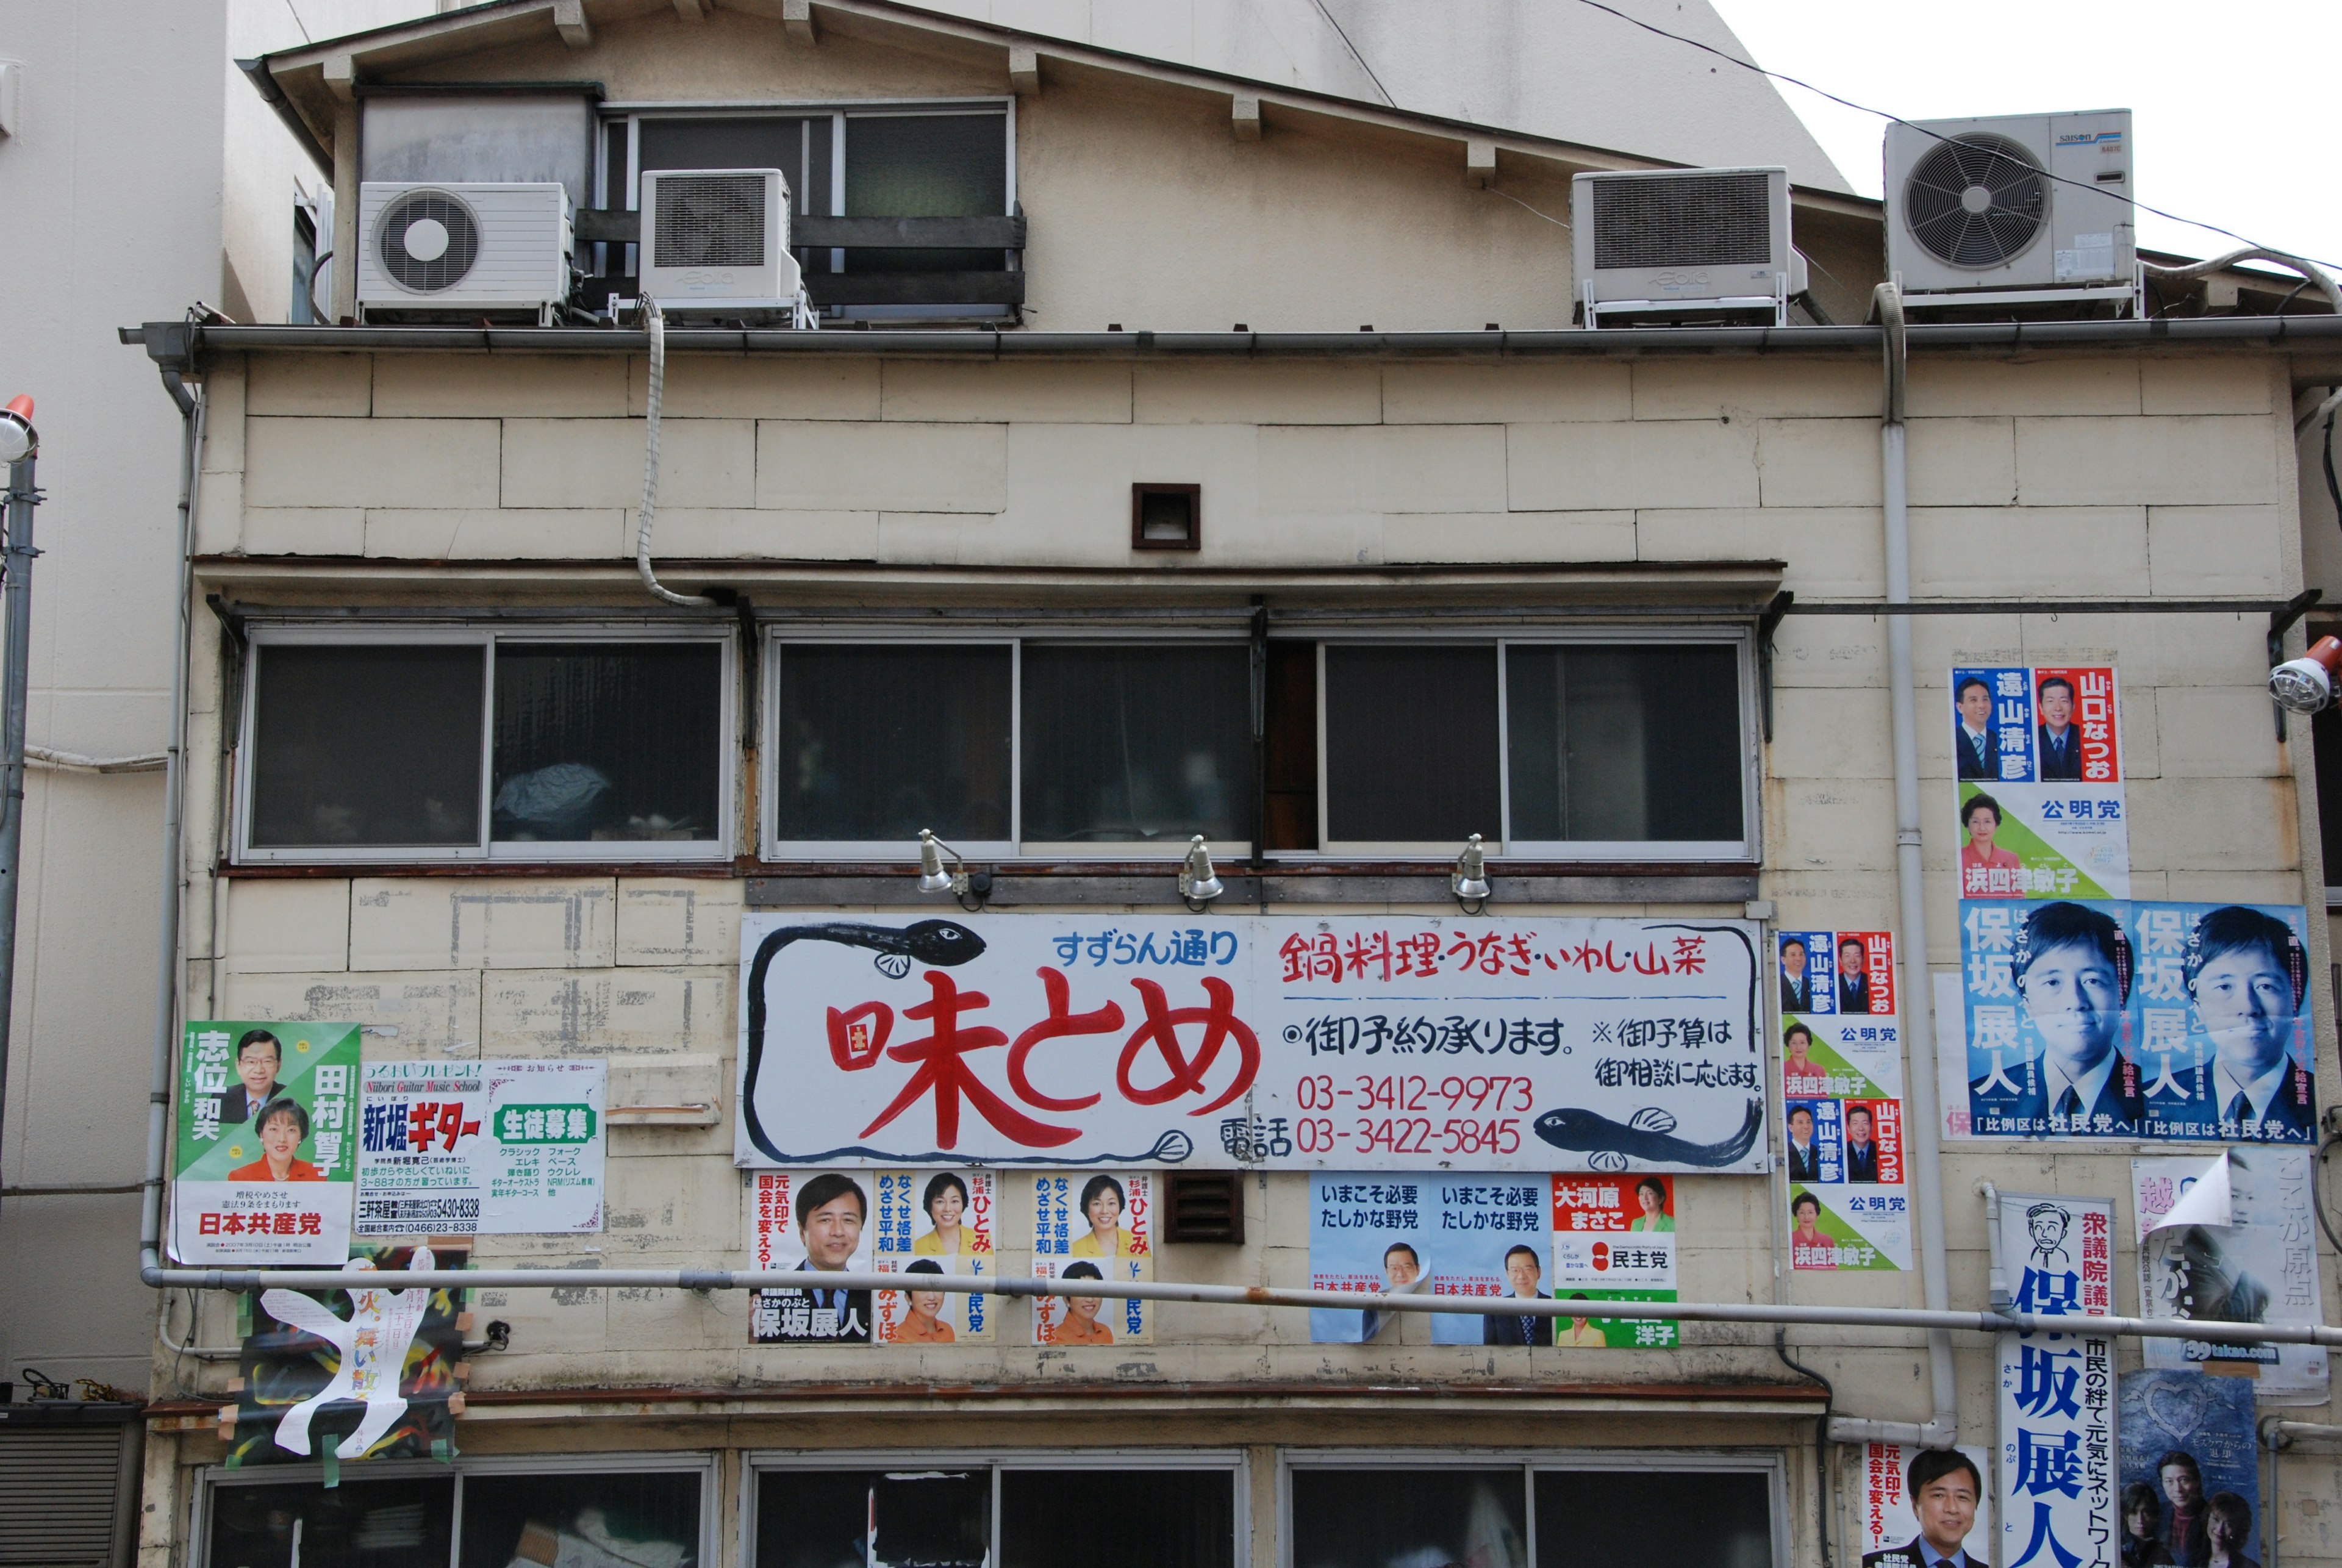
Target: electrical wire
{"points": [[1558, 223], [2326, 453], [2316, 1198], [1899, 120]]}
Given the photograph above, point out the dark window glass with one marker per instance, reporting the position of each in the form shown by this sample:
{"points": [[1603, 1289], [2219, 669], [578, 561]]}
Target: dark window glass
{"points": [[302, 309], [877, 742], [607, 740], [2326, 735], [1290, 746], [1412, 1518], [1137, 745], [1162, 1518], [1655, 1518], [366, 746], [747, 142], [829, 1518], [925, 166], [1411, 745], [1612, 744], [394, 1523], [638, 1517]]}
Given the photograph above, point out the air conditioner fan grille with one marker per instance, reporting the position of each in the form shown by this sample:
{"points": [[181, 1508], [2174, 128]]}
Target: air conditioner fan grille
{"points": [[1682, 221], [456, 226], [710, 220], [1975, 201]]}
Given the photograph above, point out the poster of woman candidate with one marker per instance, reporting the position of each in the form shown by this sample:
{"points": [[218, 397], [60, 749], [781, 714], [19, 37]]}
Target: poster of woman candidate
{"points": [[2038, 754], [812, 1222], [266, 1152], [2229, 1239], [1614, 1240], [1093, 1225], [938, 1222], [2166, 1021], [1842, 1101]]}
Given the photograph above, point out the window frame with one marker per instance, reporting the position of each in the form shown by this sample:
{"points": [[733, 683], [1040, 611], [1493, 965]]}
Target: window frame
{"points": [[487, 851], [1748, 849], [1769, 1462], [707, 1464], [1014, 849], [755, 1463]]}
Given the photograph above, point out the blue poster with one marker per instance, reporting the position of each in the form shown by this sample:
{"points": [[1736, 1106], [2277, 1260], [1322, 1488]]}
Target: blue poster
{"points": [[1459, 1235], [2189, 1466], [2173, 1022]]}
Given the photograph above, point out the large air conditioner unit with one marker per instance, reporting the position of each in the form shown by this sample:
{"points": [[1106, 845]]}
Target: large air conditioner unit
{"points": [[715, 242], [2019, 209], [1672, 244], [463, 250]]}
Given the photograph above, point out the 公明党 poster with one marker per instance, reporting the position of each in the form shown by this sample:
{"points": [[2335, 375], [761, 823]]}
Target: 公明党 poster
{"points": [[1092, 1225], [1842, 1101], [481, 1148], [267, 1142], [811, 1224], [935, 1223], [2161, 1021], [1394, 1043], [2038, 756]]}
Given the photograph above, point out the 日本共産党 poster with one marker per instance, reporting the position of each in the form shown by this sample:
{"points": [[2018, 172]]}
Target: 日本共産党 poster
{"points": [[813, 1224], [2037, 753], [481, 1148], [2230, 1239], [1842, 1101], [2057, 1412], [936, 1222], [266, 1148], [2161, 1021], [1092, 1225], [1386, 1043]]}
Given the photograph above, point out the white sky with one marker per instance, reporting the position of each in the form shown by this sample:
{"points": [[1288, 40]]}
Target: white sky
{"points": [[2234, 112]]}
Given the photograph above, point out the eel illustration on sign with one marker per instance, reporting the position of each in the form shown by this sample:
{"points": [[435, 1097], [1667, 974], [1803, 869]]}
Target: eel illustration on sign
{"points": [[1648, 1135]]}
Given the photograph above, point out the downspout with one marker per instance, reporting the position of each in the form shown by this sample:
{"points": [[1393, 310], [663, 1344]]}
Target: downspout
{"points": [[171, 358], [1924, 1125]]}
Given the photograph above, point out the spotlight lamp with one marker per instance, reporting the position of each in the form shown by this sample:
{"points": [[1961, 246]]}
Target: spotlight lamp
{"points": [[959, 882], [2305, 684], [1198, 883], [17, 437], [1470, 882]]}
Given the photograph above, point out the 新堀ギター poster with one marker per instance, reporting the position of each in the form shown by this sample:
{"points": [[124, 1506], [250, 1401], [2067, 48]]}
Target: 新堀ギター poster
{"points": [[481, 1148], [266, 1148]]}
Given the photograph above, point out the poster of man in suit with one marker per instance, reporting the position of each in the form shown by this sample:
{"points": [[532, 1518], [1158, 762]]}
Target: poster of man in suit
{"points": [[2037, 756]]}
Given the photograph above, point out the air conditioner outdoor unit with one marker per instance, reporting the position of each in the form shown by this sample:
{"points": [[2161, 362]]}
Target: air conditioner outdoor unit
{"points": [[463, 249], [1701, 242], [715, 242], [2019, 209]]}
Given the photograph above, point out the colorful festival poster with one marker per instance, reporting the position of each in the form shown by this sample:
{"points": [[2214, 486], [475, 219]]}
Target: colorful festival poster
{"points": [[1614, 1240], [811, 1224], [2038, 757], [2057, 1432], [935, 1222], [267, 1145], [2231, 1240], [1393, 1042], [1093, 1225], [2164, 1022], [481, 1148], [2190, 1467], [1887, 1523]]}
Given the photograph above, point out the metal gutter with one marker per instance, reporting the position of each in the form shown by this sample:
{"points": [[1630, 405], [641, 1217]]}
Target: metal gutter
{"points": [[256, 72]]}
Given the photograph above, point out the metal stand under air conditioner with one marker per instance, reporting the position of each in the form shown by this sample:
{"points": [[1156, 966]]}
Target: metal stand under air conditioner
{"points": [[1776, 305]]}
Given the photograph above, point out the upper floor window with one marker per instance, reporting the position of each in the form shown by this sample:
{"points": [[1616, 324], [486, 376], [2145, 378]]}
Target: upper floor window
{"points": [[917, 162], [472, 744]]}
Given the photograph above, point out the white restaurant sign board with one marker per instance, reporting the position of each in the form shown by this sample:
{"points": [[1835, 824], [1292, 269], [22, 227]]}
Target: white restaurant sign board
{"points": [[1384, 1043]]}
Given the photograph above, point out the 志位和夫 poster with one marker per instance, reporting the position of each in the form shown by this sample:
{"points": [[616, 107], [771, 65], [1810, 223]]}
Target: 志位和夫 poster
{"points": [[2169, 1021], [2038, 754], [267, 1122], [1390, 1042]]}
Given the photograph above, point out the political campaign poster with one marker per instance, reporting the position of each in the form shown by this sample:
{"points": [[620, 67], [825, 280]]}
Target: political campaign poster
{"points": [[811, 1223], [1841, 1116], [267, 1149], [1889, 1522], [481, 1148], [1836, 972], [2057, 1413], [2037, 751], [1614, 1240], [1387, 1042], [2230, 1239], [935, 1222], [1092, 1225], [1481, 1234], [2159, 1021], [2190, 1467], [350, 1375], [1372, 1233]]}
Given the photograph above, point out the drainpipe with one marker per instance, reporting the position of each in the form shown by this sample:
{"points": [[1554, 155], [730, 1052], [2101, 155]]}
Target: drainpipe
{"points": [[172, 355], [1924, 1125], [1997, 1280]]}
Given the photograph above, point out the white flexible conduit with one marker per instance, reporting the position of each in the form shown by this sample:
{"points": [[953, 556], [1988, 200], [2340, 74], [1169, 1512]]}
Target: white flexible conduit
{"points": [[1923, 1127], [655, 324], [2302, 264]]}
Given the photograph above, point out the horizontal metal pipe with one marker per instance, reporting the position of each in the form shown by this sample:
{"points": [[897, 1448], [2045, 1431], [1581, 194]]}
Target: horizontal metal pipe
{"points": [[2279, 1433], [153, 1274]]}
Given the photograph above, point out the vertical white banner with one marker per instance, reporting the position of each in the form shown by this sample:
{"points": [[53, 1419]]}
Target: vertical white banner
{"points": [[2057, 1409]]}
